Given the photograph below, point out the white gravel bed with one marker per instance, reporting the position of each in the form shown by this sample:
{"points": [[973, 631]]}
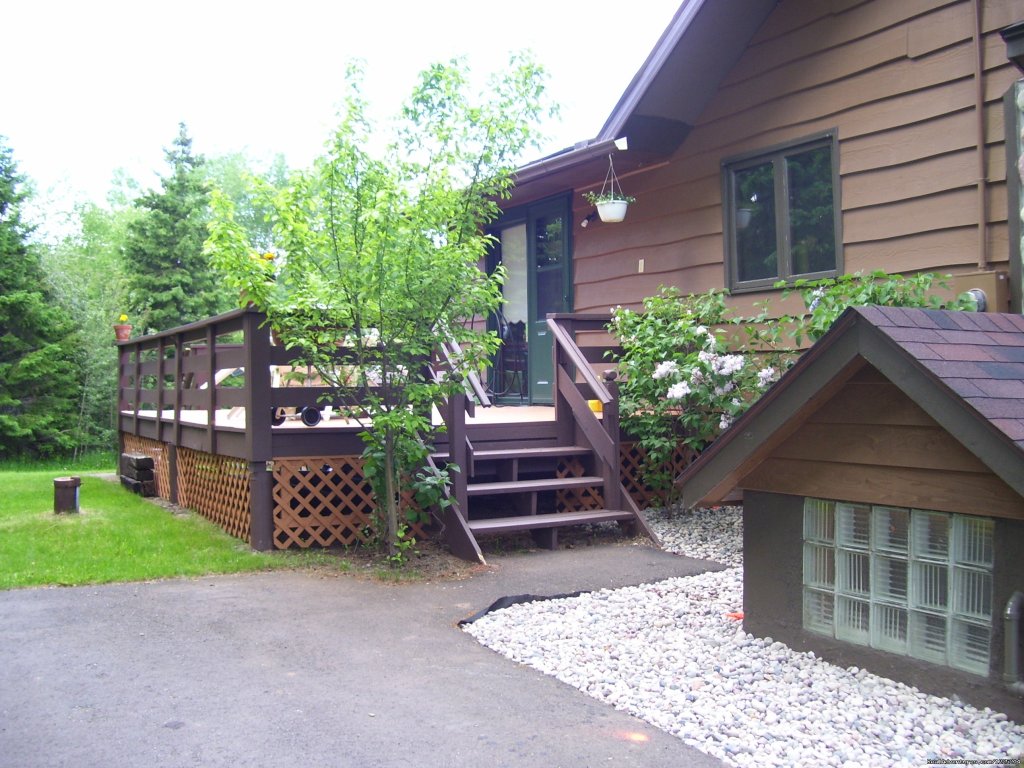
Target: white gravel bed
{"points": [[670, 654], [707, 534]]}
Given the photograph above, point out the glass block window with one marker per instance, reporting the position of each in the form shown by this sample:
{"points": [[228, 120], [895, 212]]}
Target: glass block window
{"points": [[906, 581]]}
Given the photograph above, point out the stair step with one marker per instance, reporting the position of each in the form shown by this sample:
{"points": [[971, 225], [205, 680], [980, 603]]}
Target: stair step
{"points": [[553, 520], [555, 451], [529, 486]]}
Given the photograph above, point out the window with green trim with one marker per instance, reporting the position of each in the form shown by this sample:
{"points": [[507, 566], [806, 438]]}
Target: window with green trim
{"points": [[781, 214], [907, 581]]}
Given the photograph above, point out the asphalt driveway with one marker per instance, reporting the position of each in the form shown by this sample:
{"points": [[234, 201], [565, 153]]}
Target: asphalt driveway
{"points": [[294, 669]]}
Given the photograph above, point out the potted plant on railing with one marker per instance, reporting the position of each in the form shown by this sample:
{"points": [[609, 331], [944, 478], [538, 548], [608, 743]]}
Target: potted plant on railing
{"points": [[611, 202], [122, 329]]}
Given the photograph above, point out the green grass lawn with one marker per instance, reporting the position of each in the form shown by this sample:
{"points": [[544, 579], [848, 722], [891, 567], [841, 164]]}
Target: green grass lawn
{"points": [[117, 536]]}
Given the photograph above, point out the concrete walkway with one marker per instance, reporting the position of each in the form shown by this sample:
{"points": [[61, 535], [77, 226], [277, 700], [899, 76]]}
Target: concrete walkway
{"points": [[294, 669]]}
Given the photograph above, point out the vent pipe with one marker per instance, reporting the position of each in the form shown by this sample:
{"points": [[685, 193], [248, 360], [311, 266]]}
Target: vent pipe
{"points": [[1011, 644]]}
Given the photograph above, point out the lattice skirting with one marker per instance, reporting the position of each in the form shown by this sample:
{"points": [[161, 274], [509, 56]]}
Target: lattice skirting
{"points": [[633, 457], [217, 487], [157, 451], [326, 501]]}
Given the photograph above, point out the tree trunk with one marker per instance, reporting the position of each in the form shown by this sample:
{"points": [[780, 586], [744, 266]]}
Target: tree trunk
{"points": [[391, 488]]}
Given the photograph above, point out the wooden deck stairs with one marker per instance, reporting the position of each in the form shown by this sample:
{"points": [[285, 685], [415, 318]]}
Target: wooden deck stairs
{"points": [[541, 488]]}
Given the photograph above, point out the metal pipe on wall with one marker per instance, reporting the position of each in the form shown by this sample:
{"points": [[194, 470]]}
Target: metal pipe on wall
{"points": [[979, 112], [1011, 644]]}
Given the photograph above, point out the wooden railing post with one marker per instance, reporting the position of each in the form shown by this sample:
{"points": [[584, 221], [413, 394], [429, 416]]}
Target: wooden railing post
{"points": [[457, 449], [258, 434], [610, 417], [211, 387], [564, 421]]}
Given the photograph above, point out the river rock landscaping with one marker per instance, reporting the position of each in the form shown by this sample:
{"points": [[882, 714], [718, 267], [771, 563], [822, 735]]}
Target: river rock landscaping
{"points": [[675, 654]]}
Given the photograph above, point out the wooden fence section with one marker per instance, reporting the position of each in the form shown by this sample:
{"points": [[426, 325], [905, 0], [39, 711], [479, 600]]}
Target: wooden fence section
{"points": [[158, 452], [217, 487]]}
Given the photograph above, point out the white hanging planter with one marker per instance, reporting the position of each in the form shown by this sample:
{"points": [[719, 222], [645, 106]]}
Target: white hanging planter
{"points": [[612, 210], [611, 202]]}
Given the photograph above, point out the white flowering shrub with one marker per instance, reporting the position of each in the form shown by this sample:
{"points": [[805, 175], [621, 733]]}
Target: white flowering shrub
{"points": [[679, 383]]}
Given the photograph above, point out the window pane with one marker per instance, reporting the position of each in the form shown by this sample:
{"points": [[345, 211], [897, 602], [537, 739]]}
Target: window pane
{"points": [[550, 273], [811, 217], [854, 525], [854, 568], [819, 520], [548, 234], [818, 610], [891, 525], [757, 256], [891, 579], [928, 637], [852, 620], [513, 256], [969, 647], [931, 535], [889, 625], [973, 592], [974, 540], [931, 586], [819, 565]]}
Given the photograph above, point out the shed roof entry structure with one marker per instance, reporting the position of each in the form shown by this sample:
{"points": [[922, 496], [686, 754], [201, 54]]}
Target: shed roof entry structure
{"points": [[959, 375]]}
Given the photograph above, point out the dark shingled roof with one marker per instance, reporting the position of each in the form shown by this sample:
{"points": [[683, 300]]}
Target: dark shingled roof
{"points": [[964, 369], [979, 356]]}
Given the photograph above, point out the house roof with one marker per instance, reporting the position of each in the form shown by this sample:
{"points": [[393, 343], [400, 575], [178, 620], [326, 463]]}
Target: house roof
{"points": [[964, 369], [659, 106]]}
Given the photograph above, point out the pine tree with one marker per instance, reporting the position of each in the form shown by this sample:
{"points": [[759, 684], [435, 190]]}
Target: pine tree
{"points": [[169, 278], [39, 369]]}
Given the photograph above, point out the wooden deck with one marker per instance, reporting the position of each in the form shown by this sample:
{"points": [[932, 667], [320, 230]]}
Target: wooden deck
{"points": [[298, 485]]}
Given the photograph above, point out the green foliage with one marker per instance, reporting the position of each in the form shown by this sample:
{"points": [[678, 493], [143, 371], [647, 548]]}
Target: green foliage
{"points": [[86, 272], [827, 299], [169, 277], [379, 253], [680, 383], [605, 197], [39, 360], [233, 174]]}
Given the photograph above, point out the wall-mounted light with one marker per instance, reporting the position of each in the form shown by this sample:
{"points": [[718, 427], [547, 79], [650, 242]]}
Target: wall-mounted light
{"points": [[589, 218]]}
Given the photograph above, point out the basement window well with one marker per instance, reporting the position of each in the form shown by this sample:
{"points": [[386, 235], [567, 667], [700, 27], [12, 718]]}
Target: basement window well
{"points": [[906, 581]]}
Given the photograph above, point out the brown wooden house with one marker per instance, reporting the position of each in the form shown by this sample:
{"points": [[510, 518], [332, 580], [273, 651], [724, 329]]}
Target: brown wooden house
{"points": [[883, 486], [773, 140]]}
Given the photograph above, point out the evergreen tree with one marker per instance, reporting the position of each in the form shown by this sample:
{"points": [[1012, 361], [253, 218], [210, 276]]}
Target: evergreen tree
{"points": [[39, 369], [169, 278]]}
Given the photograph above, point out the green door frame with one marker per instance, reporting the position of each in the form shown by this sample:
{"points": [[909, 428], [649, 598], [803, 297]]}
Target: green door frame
{"points": [[543, 296]]}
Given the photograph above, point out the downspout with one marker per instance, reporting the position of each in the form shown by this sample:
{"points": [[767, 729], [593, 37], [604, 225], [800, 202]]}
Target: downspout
{"points": [[979, 116], [1011, 644]]}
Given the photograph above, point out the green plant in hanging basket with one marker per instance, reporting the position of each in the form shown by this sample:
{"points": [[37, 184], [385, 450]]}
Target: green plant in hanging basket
{"points": [[607, 196]]}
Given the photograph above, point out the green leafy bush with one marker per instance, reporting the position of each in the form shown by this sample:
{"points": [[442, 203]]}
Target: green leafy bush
{"points": [[689, 367]]}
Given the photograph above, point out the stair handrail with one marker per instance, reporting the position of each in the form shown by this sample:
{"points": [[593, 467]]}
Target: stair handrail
{"points": [[602, 434]]}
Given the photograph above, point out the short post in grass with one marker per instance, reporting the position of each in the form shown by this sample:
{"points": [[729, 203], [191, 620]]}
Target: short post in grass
{"points": [[65, 494]]}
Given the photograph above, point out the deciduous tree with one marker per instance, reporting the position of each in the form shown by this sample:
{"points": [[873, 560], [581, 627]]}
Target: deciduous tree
{"points": [[380, 252]]}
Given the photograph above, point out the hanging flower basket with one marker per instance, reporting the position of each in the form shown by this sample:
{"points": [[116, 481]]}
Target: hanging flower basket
{"points": [[611, 202], [612, 210]]}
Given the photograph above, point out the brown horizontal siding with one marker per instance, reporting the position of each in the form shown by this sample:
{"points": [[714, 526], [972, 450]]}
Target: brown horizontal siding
{"points": [[920, 447], [962, 492], [896, 81], [918, 178], [939, 251]]}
